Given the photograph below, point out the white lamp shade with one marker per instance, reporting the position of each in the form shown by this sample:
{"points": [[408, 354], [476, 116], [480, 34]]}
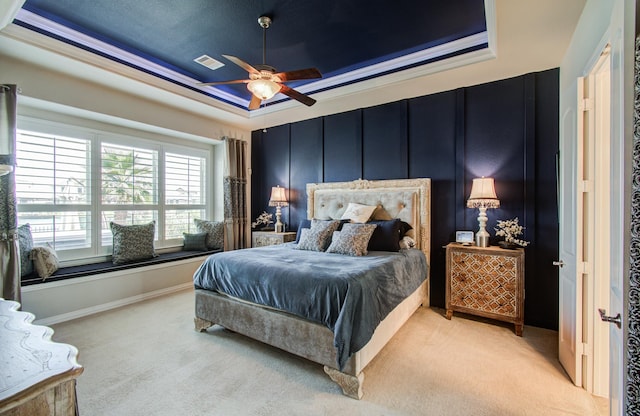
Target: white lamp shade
{"points": [[263, 88], [483, 193], [278, 197]]}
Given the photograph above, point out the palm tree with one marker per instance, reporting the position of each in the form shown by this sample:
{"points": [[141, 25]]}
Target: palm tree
{"points": [[124, 181]]}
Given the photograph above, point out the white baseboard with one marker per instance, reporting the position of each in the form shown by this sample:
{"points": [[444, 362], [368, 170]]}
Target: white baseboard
{"points": [[80, 313], [59, 301]]}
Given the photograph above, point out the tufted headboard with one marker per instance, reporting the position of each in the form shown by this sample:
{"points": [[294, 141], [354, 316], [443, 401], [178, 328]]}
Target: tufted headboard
{"points": [[407, 199]]}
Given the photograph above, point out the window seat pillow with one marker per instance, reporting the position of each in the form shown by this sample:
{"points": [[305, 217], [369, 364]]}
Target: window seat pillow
{"points": [[132, 242], [70, 272]]}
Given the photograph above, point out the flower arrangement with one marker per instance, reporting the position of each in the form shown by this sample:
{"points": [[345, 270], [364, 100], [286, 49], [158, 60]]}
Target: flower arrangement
{"points": [[265, 218], [511, 230]]}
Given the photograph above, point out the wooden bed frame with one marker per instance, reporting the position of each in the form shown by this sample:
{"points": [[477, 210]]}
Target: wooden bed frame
{"points": [[408, 199]]}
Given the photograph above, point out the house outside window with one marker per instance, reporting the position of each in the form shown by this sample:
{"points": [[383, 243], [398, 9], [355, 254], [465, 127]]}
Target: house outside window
{"points": [[72, 182]]}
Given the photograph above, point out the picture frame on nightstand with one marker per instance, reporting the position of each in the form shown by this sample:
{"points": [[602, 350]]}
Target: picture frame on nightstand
{"points": [[464, 237]]}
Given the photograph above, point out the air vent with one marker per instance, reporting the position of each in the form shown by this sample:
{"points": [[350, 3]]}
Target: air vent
{"points": [[209, 62]]}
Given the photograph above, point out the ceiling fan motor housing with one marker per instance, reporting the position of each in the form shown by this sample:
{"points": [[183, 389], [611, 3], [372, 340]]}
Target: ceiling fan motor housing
{"points": [[264, 21]]}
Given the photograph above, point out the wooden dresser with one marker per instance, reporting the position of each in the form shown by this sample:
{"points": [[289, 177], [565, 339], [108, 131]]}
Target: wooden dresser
{"points": [[38, 376], [486, 281], [270, 238]]}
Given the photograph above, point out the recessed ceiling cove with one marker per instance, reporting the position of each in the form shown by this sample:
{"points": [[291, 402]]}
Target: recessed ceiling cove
{"points": [[347, 41]]}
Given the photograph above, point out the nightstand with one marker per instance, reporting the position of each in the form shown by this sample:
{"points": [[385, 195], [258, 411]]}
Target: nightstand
{"points": [[487, 282], [270, 238]]}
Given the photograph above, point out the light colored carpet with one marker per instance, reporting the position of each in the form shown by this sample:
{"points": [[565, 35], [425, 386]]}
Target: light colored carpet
{"points": [[146, 359]]}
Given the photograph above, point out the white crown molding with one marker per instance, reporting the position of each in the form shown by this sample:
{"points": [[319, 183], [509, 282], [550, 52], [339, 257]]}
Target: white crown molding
{"points": [[400, 62], [110, 50], [385, 80], [492, 28], [8, 11]]}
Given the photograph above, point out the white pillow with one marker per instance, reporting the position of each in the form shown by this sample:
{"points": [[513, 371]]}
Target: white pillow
{"points": [[358, 212], [45, 261]]}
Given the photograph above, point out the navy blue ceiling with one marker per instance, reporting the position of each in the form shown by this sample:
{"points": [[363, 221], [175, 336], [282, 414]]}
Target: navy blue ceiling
{"points": [[334, 36]]}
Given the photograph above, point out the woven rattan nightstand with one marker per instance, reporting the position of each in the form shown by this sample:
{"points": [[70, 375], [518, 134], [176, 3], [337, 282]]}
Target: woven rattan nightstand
{"points": [[486, 281]]}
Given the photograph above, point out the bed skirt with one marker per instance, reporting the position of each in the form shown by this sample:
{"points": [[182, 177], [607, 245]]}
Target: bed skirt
{"points": [[301, 337]]}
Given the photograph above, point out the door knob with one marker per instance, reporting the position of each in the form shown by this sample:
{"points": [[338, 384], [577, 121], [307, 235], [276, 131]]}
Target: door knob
{"points": [[559, 263], [613, 319]]}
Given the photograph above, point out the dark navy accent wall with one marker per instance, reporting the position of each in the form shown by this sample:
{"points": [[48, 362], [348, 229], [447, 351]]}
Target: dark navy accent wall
{"points": [[379, 159], [542, 284], [305, 166], [343, 146], [506, 129], [432, 144], [272, 157]]}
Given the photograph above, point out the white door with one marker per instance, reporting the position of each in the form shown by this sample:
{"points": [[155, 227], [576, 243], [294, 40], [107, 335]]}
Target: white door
{"points": [[570, 286]]}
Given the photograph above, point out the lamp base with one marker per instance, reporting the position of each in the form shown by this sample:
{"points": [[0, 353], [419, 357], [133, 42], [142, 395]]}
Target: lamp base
{"points": [[279, 226], [482, 240]]}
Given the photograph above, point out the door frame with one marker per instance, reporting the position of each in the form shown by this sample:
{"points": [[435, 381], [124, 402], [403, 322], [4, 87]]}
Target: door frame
{"points": [[596, 238]]}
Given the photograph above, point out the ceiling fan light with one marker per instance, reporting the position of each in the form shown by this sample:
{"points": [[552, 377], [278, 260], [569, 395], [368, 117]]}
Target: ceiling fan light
{"points": [[263, 88]]}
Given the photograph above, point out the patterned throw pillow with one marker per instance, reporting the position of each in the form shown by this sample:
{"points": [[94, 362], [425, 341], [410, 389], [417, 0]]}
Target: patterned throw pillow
{"points": [[353, 240], [25, 242], [358, 212], [45, 261], [195, 242], [305, 224], [318, 237], [132, 242], [214, 230]]}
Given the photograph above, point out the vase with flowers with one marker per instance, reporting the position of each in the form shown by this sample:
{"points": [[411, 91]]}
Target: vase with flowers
{"points": [[264, 220], [511, 230]]}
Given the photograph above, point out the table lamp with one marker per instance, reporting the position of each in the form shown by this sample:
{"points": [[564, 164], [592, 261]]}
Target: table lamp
{"points": [[483, 196], [278, 199]]}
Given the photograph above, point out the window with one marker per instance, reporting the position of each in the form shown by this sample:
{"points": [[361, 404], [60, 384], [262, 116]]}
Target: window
{"points": [[71, 183]]}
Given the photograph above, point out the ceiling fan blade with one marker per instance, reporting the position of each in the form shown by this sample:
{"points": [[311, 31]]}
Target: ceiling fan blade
{"points": [[241, 63], [304, 99], [255, 102], [308, 73], [235, 81]]}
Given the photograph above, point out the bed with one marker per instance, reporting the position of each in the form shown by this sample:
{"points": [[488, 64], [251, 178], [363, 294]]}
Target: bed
{"points": [[312, 336]]}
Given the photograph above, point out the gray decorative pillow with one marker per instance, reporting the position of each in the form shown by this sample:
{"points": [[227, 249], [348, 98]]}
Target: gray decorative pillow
{"points": [[214, 230], [319, 235], [353, 240], [45, 261], [132, 242], [195, 242], [25, 243]]}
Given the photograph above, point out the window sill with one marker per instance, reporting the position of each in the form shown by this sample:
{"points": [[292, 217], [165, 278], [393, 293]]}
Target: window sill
{"points": [[71, 272]]}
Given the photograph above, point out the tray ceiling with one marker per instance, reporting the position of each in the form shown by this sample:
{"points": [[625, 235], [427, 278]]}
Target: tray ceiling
{"points": [[348, 41]]}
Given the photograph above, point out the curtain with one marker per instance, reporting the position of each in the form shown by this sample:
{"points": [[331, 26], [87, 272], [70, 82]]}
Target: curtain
{"points": [[235, 191], [632, 402], [9, 252]]}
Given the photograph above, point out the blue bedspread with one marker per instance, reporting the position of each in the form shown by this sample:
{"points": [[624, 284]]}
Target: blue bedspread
{"points": [[349, 295]]}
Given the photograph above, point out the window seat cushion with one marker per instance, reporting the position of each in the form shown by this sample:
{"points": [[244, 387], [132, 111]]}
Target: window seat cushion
{"points": [[108, 266]]}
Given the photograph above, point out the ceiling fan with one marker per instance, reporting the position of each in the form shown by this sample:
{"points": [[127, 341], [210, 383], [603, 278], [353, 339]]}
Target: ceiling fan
{"points": [[264, 82]]}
